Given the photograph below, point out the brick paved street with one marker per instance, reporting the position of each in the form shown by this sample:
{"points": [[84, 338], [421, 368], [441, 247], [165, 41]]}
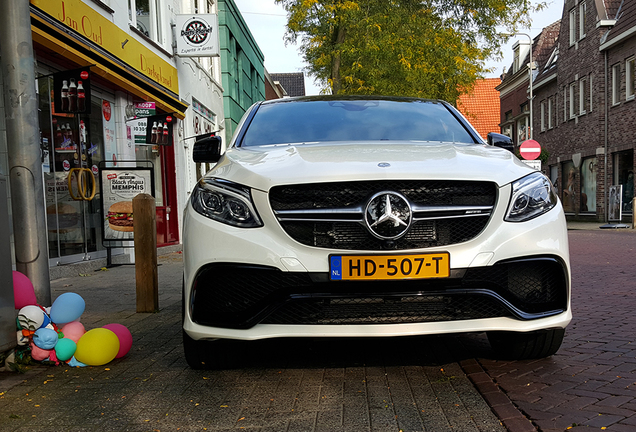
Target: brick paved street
{"points": [[406, 384], [590, 384]]}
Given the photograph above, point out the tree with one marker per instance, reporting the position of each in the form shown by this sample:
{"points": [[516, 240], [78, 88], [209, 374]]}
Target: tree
{"points": [[431, 49]]}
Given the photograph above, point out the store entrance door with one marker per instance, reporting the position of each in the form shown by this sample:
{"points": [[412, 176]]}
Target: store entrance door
{"points": [[70, 143], [162, 157]]}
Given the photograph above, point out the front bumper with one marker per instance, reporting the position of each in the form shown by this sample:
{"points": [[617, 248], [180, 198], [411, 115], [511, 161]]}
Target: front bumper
{"points": [[258, 283]]}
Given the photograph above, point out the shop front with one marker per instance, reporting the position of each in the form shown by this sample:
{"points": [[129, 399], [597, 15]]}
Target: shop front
{"points": [[92, 129]]}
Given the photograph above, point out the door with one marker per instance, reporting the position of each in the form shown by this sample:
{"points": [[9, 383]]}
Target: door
{"points": [[71, 142]]}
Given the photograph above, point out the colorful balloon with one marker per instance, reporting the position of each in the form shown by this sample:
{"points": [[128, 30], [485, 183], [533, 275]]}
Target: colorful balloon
{"points": [[45, 338], [38, 353], [30, 317], [23, 291], [124, 336], [73, 330], [66, 308], [65, 348], [97, 347]]}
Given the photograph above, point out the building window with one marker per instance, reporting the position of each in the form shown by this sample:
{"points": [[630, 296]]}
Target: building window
{"points": [[550, 103], [516, 61], [543, 116], [616, 83], [591, 91], [568, 187], [522, 130], [582, 95], [508, 115], [572, 27], [629, 78], [588, 185], [145, 16], [565, 104], [582, 11], [572, 104], [507, 130]]}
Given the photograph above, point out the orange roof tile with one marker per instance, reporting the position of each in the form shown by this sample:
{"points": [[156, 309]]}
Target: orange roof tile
{"points": [[481, 106]]}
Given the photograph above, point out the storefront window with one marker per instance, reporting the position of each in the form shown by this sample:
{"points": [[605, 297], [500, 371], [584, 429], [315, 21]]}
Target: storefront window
{"points": [[554, 175], [70, 141], [624, 175], [568, 187], [588, 185], [152, 153]]}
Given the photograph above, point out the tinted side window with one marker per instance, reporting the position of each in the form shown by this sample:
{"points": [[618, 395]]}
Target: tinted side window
{"points": [[353, 120]]}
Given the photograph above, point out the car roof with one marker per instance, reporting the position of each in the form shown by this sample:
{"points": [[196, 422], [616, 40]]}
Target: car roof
{"points": [[353, 98]]}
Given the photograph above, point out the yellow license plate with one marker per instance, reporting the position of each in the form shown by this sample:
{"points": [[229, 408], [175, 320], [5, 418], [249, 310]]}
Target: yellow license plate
{"points": [[382, 267]]}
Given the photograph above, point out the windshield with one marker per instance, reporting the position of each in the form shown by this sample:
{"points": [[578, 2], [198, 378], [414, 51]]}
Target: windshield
{"points": [[354, 120]]}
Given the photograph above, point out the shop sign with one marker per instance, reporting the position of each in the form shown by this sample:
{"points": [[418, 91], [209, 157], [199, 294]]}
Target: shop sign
{"points": [[83, 20], [203, 119], [198, 35], [145, 109]]}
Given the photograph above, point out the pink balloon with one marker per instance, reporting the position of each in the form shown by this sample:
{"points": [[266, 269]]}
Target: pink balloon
{"points": [[23, 291], [38, 353], [73, 330], [124, 336]]}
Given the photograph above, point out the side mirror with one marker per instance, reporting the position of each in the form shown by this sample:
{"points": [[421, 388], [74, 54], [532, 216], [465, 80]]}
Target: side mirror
{"points": [[502, 141], [207, 149]]}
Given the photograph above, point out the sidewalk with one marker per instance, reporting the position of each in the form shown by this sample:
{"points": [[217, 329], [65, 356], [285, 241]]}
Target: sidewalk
{"points": [[412, 384]]}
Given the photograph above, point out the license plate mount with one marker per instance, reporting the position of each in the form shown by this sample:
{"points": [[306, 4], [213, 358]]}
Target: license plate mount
{"points": [[389, 267]]}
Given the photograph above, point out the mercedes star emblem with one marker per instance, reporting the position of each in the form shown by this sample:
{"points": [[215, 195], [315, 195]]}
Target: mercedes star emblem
{"points": [[388, 215]]}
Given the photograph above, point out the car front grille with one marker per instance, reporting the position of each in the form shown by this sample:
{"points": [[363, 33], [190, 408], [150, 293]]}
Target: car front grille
{"points": [[236, 296], [331, 215]]}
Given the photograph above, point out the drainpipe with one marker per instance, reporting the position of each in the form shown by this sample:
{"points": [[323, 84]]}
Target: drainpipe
{"points": [[605, 203]]}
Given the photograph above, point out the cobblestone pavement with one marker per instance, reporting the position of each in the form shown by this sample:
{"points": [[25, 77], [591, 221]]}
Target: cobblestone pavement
{"points": [[590, 384], [406, 384]]}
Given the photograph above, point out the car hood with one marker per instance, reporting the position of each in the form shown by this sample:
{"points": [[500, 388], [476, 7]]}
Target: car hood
{"points": [[267, 166]]}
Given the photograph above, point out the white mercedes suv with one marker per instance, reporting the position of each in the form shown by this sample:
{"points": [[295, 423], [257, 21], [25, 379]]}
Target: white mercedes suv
{"points": [[374, 216]]}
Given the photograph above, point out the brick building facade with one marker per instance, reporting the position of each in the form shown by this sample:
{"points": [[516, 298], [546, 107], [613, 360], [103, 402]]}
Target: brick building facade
{"points": [[583, 109]]}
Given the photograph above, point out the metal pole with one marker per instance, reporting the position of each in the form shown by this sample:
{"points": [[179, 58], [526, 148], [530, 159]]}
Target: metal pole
{"points": [[531, 95], [23, 145]]}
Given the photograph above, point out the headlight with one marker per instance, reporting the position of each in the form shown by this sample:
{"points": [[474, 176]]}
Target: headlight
{"points": [[225, 202], [532, 196]]}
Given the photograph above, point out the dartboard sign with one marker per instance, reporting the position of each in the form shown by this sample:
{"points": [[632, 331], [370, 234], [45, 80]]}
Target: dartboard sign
{"points": [[198, 35]]}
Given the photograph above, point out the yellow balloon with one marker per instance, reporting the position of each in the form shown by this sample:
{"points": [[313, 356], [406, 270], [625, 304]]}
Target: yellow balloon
{"points": [[97, 347]]}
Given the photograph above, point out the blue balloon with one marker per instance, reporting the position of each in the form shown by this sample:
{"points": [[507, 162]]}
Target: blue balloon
{"points": [[45, 338], [66, 308]]}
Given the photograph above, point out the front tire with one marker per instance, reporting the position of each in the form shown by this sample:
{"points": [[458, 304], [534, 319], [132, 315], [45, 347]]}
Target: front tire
{"points": [[522, 346]]}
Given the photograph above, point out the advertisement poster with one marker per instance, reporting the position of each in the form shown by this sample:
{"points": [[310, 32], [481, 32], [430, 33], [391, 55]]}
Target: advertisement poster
{"points": [[615, 203], [72, 91], [108, 121], [119, 187], [159, 129]]}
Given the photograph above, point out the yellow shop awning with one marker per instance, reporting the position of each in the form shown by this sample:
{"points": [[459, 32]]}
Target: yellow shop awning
{"points": [[52, 35]]}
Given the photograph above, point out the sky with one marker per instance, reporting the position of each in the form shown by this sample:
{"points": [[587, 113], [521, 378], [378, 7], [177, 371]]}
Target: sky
{"points": [[267, 21]]}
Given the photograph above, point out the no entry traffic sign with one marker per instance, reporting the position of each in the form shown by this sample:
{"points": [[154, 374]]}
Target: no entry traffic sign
{"points": [[530, 150]]}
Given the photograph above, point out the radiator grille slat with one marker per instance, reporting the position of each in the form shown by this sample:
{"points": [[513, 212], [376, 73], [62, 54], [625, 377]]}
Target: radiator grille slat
{"points": [[354, 235]]}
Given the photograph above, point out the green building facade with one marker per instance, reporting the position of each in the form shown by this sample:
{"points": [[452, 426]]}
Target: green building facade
{"points": [[242, 66]]}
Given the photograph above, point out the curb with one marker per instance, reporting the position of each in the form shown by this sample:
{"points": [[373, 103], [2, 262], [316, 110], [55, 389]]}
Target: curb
{"points": [[499, 403]]}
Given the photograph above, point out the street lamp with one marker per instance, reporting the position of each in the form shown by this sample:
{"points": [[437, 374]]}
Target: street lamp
{"points": [[530, 68]]}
